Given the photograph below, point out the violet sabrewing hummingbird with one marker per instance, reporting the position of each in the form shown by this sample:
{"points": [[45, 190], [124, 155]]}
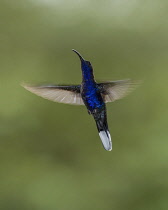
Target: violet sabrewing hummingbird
{"points": [[89, 93]]}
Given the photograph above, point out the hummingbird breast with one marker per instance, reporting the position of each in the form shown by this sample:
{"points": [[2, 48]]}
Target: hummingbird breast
{"points": [[91, 96]]}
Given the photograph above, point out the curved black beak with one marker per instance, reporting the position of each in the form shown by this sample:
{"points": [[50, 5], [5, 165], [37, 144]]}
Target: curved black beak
{"points": [[81, 58]]}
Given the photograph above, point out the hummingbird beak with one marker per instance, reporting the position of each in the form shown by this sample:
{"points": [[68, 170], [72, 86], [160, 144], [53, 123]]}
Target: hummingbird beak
{"points": [[81, 58]]}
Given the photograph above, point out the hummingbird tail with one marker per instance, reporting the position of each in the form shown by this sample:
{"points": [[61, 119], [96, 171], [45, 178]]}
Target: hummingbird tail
{"points": [[104, 136]]}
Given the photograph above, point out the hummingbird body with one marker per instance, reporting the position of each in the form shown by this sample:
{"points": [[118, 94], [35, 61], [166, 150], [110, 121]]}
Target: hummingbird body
{"points": [[89, 89], [91, 94], [94, 102]]}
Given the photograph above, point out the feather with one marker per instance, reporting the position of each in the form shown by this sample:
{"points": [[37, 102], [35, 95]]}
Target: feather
{"points": [[114, 90], [106, 140], [68, 94]]}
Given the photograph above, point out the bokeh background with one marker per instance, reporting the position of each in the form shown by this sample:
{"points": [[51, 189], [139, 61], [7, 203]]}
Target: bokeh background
{"points": [[51, 156]]}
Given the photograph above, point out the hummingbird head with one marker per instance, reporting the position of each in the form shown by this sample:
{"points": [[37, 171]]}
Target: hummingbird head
{"points": [[86, 65]]}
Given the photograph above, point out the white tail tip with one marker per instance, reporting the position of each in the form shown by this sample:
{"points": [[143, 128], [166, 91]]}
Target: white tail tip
{"points": [[106, 140]]}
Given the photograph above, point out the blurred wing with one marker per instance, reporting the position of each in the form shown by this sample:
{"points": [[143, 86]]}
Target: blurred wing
{"points": [[58, 93], [115, 90]]}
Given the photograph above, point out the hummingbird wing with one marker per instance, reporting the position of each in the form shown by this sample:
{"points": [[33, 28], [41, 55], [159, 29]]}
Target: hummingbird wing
{"points": [[68, 94], [115, 90]]}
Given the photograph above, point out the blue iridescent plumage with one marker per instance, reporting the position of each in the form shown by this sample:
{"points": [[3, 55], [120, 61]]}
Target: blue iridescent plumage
{"points": [[91, 94], [89, 89]]}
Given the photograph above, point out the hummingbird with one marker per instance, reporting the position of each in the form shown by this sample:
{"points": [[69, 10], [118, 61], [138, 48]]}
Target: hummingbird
{"points": [[89, 93]]}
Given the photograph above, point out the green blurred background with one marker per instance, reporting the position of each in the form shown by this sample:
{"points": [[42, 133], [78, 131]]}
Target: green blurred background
{"points": [[51, 156]]}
